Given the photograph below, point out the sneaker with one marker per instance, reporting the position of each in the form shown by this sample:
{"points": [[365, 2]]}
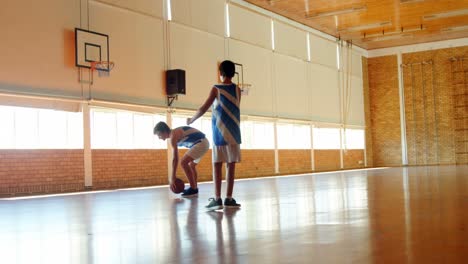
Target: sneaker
{"points": [[189, 192], [214, 204], [231, 203]]}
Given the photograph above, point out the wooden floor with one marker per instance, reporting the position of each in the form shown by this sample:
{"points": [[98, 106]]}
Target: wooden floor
{"points": [[396, 215]]}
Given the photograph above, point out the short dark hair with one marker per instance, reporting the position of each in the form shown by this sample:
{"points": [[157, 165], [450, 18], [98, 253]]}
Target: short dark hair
{"points": [[161, 127], [227, 68]]}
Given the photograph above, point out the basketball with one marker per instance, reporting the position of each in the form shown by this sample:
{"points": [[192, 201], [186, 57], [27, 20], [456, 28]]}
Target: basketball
{"points": [[179, 186]]}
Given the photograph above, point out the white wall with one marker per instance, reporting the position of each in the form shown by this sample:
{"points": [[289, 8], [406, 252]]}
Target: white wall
{"points": [[352, 75], [290, 40], [147, 7], [325, 101], [249, 26], [257, 64], [292, 97], [39, 49], [136, 47], [197, 52], [206, 15]]}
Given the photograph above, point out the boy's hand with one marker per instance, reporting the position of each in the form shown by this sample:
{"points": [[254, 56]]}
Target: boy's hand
{"points": [[189, 121], [172, 183]]}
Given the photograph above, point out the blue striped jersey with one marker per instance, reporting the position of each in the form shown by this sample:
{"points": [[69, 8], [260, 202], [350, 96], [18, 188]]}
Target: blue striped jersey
{"points": [[225, 119], [191, 136]]}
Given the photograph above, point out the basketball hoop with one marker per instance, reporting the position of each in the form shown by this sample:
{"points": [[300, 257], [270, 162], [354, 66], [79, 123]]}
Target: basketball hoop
{"points": [[102, 67]]}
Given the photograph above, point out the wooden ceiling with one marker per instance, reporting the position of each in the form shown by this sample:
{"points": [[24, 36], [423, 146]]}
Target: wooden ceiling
{"points": [[373, 24]]}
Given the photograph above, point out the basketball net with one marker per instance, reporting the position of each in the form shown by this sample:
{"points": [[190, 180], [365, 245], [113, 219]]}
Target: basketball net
{"points": [[102, 67]]}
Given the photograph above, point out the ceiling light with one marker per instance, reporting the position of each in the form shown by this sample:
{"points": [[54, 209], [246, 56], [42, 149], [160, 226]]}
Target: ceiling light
{"points": [[461, 12], [412, 29], [410, 1], [451, 29], [392, 37], [273, 1], [380, 34], [390, 33], [337, 12], [365, 27]]}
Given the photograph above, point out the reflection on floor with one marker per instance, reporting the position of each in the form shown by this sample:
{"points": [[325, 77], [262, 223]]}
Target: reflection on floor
{"points": [[393, 215]]}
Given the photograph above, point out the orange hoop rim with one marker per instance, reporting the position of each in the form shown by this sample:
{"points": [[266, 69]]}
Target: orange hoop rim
{"points": [[106, 66]]}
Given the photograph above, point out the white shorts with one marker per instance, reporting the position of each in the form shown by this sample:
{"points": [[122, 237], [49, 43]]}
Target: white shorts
{"points": [[197, 151], [227, 153]]}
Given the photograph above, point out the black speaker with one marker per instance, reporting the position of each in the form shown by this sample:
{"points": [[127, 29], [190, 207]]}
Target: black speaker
{"points": [[175, 82]]}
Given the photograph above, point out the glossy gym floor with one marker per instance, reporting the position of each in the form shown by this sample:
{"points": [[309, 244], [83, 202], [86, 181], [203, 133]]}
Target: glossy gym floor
{"points": [[386, 215]]}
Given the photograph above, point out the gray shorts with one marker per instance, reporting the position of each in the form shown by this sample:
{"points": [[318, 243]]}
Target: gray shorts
{"points": [[198, 150], [227, 153]]}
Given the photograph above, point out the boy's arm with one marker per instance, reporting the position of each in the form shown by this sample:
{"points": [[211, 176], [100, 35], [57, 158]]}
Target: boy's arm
{"points": [[202, 110], [175, 162], [175, 156]]}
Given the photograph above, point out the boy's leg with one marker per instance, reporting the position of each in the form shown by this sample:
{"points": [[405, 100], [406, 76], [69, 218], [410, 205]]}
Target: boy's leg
{"points": [[193, 167], [190, 160], [217, 177], [231, 171], [184, 163], [230, 175], [216, 203]]}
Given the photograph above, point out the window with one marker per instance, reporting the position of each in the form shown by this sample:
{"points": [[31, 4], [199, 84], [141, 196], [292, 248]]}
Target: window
{"points": [[52, 127], [143, 126], [112, 129], [354, 139], [7, 133], [103, 130], [34, 128], [257, 135], [326, 138], [293, 136]]}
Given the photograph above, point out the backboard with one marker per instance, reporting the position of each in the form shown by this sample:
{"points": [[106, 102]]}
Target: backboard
{"points": [[90, 47]]}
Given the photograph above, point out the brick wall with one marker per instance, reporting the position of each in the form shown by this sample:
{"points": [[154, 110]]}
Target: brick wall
{"points": [[384, 110], [255, 163], [294, 161], [353, 158], [327, 159], [128, 168], [54, 171], [429, 103], [40, 171], [431, 127]]}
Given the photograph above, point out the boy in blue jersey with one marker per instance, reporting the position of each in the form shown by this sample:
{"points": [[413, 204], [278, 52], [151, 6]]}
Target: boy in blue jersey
{"points": [[224, 99], [198, 145]]}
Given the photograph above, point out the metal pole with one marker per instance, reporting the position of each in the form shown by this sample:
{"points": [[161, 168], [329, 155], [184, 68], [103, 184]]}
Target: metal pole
{"points": [[401, 88], [436, 122], [423, 84], [414, 115]]}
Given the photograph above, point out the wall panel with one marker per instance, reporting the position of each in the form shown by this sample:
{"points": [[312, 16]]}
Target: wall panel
{"points": [[256, 62], [322, 51], [150, 7], [37, 47], [206, 15], [290, 40], [292, 95], [325, 94], [242, 26], [356, 108], [198, 53]]}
